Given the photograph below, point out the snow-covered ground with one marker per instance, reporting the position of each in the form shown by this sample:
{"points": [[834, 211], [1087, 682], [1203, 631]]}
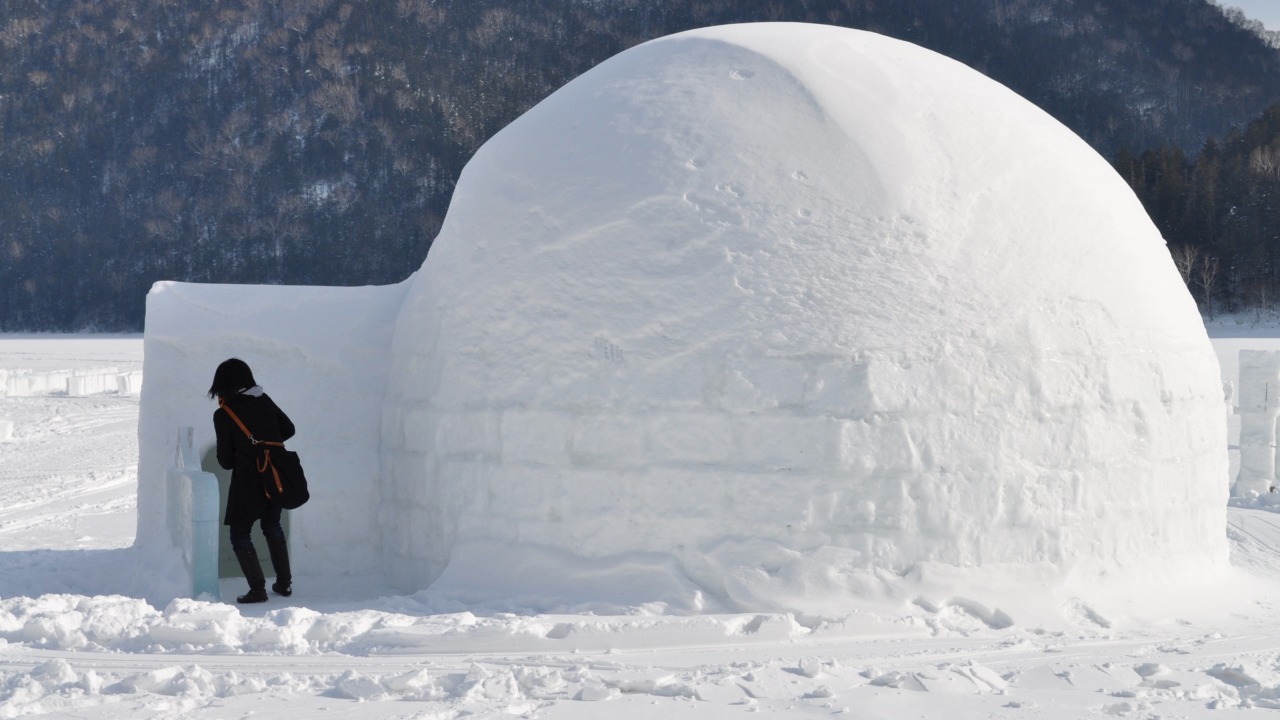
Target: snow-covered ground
{"points": [[70, 648], [68, 465]]}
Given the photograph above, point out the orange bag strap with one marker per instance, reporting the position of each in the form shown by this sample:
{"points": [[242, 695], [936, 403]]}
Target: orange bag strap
{"points": [[265, 462], [248, 434]]}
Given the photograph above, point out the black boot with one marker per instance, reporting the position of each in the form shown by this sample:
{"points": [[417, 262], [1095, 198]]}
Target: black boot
{"points": [[279, 551], [253, 573]]}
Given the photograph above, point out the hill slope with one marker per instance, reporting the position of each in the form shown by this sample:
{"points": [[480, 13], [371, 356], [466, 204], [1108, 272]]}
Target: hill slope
{"points": [[317, 141]]}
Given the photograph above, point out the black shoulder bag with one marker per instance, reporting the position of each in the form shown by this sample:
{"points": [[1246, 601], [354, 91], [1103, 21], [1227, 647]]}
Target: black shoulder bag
{"points": [[283, 481]]}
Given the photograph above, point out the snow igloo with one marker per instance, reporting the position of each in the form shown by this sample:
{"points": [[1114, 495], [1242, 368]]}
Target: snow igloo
{"points": [[748, 317]]}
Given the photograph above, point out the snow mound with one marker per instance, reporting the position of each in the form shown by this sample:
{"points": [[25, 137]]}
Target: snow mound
{"points": [[758, 318], [772, 316]]}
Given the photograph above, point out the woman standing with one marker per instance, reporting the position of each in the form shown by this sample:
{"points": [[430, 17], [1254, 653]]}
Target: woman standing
{"points": [[237, 392]]}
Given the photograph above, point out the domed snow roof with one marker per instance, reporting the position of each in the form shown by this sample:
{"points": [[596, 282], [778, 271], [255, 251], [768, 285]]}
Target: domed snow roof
{"points": [[762, 294]]}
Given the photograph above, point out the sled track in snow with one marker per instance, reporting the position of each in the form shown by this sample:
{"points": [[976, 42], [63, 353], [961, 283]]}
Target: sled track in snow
{"points": [[1255, 538]]}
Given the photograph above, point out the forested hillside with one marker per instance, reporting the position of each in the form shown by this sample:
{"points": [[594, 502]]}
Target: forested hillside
{"points": [[318, 141], [1219, 210]]}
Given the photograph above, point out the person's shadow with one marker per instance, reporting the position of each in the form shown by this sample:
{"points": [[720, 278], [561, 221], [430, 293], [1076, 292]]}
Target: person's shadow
{"points": [[74, 572]]}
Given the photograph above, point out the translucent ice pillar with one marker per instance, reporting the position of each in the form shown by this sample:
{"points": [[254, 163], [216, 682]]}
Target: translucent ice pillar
{"points": [[193, 517], [1259, 409]]}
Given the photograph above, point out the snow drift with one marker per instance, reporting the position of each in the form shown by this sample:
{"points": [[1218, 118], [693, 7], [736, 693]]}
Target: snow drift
{"points": [[758, 317]]}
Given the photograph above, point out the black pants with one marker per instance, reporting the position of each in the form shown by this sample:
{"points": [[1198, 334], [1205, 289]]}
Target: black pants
{"points": [[270, 529]]}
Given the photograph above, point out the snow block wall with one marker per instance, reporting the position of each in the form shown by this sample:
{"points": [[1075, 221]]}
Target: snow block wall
{"points": [[775, 307], [94, 381], [753, 317], [129, 383], [79, 382]]}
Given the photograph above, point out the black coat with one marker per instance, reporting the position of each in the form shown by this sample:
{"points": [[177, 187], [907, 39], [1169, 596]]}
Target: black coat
{"points": [[246, 498]]}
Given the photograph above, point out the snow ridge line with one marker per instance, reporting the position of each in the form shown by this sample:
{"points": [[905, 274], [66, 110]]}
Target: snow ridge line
{"points": [[44, 682], [130, 625]]}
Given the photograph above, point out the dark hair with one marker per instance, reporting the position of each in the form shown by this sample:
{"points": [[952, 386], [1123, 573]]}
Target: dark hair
{"points": [[231, 377]]}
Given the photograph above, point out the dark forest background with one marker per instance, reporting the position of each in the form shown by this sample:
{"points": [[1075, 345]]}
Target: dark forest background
{"points": [[318, 141]]}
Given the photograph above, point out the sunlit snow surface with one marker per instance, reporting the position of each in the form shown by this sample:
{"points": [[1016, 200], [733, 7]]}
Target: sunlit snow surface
{"points": [[83, 653]]}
